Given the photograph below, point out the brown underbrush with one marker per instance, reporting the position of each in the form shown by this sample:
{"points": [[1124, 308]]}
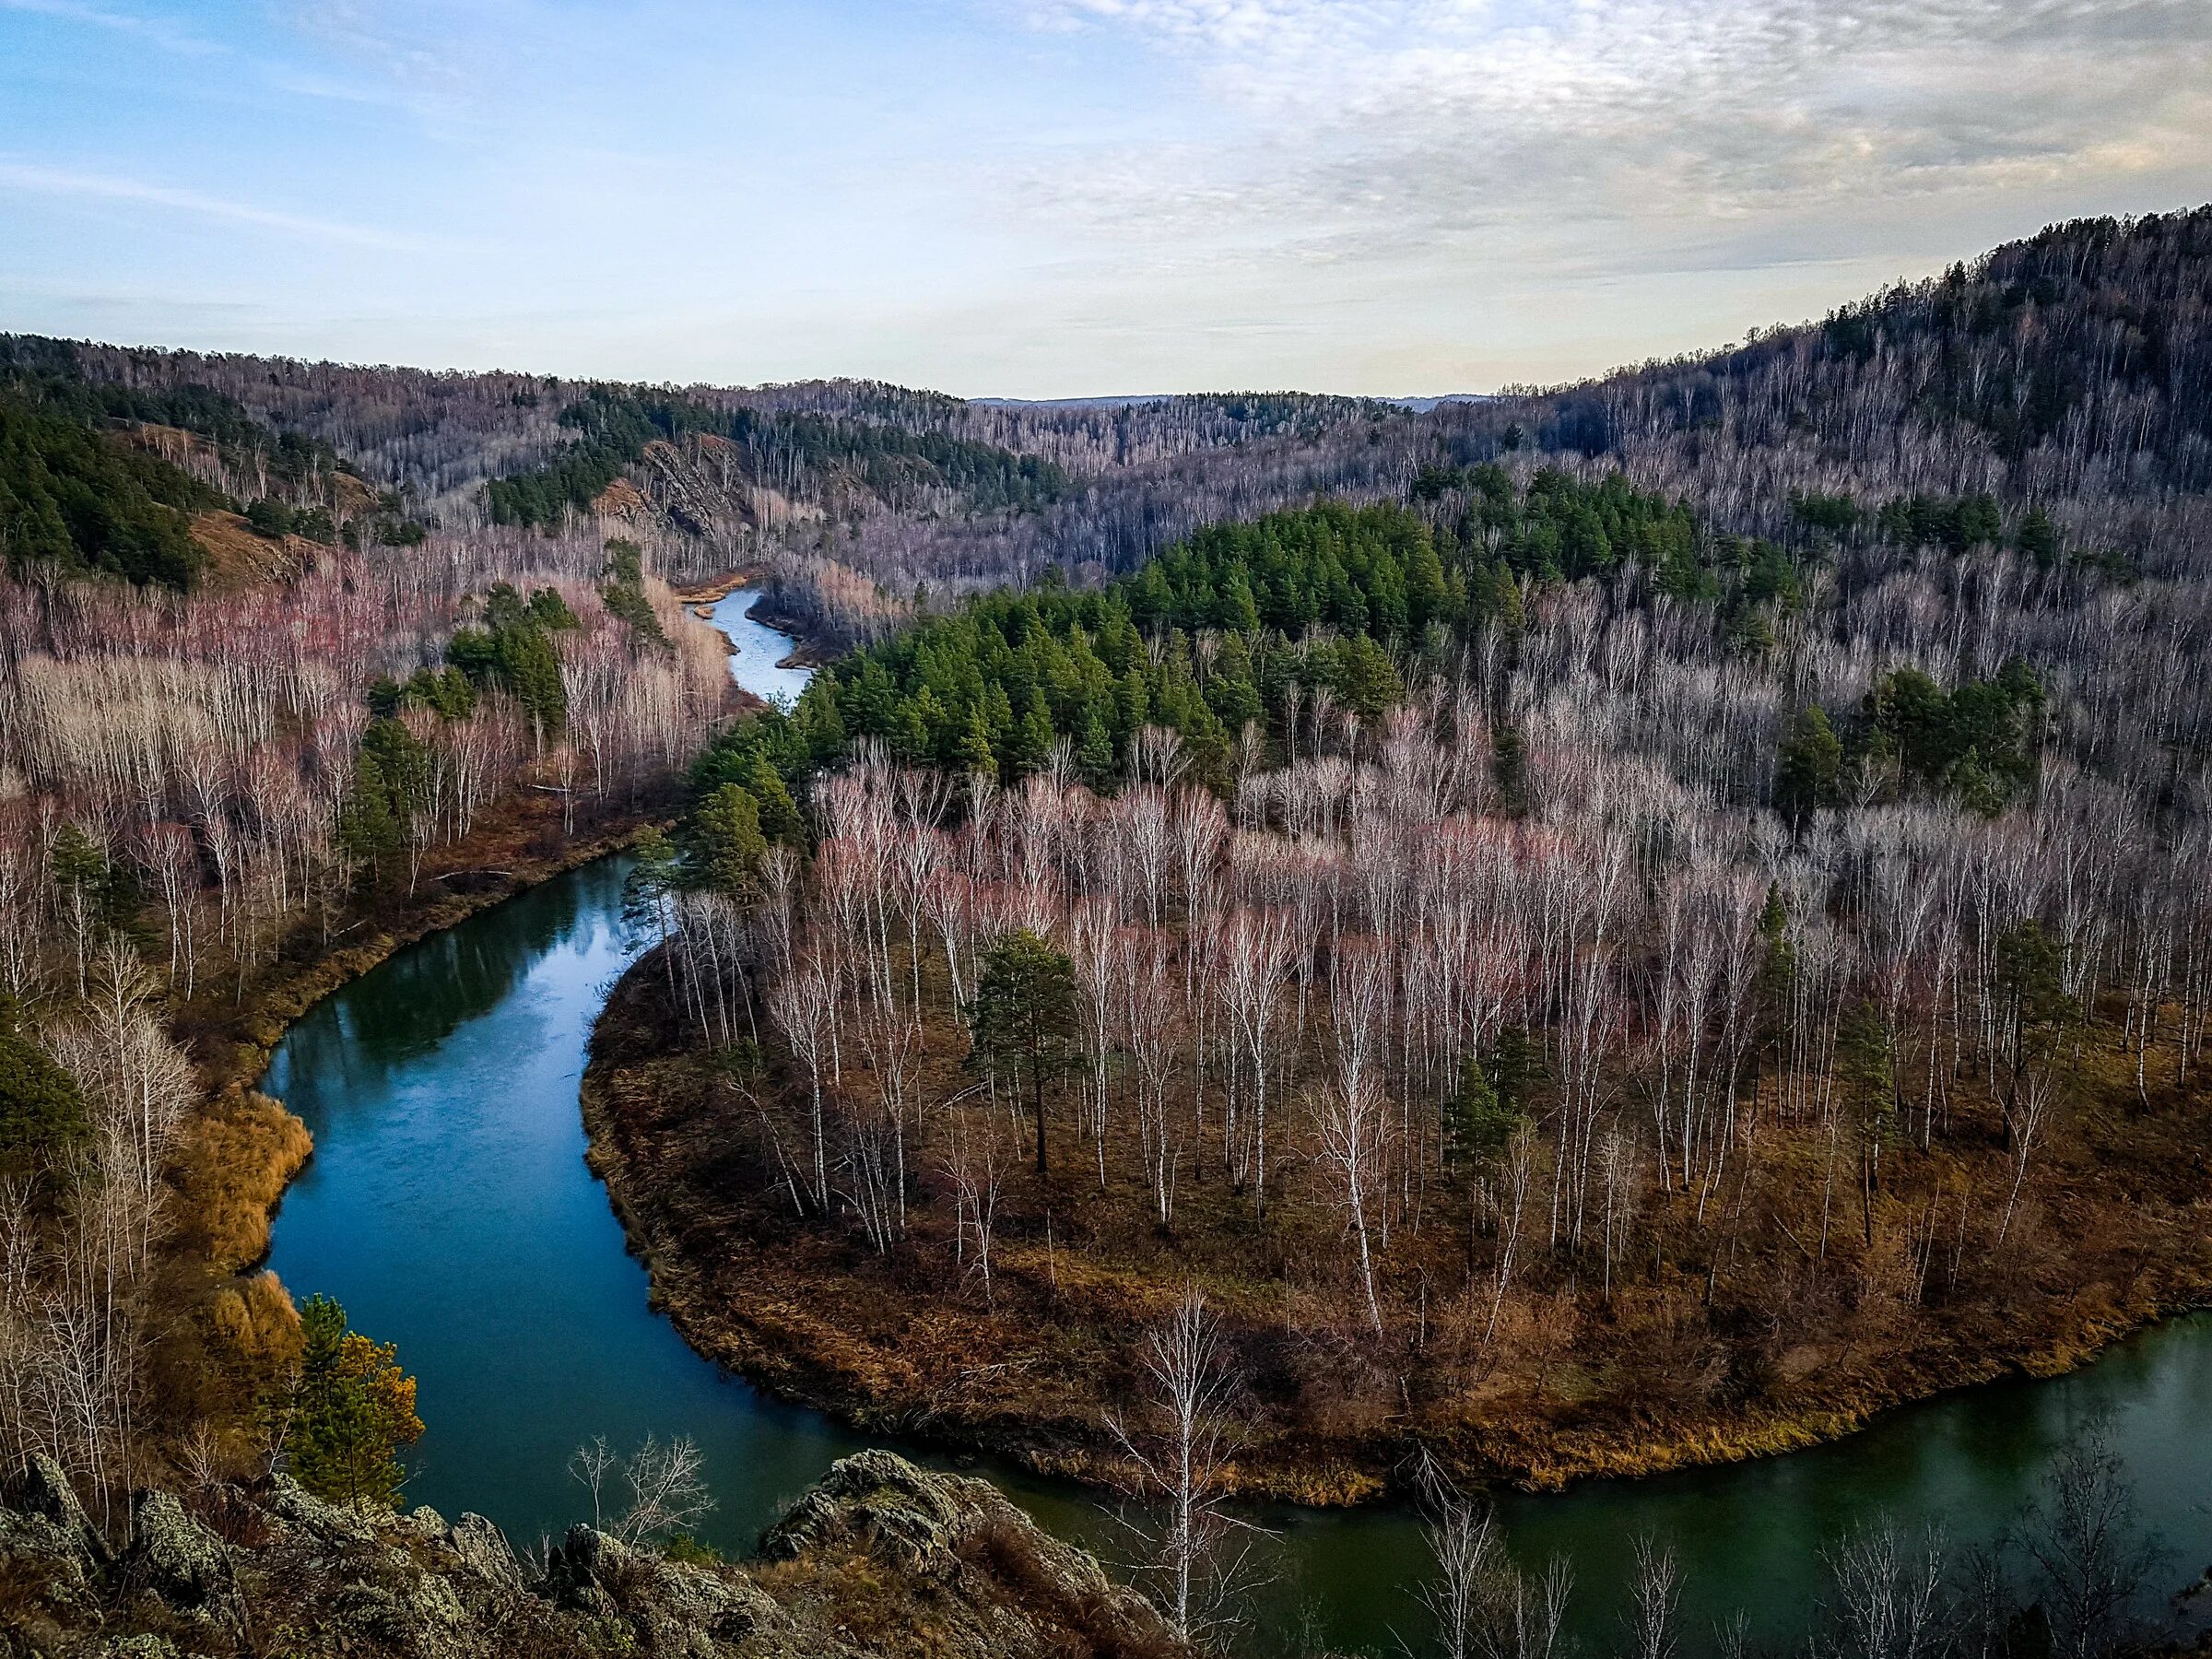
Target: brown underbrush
{"points": [[1731, 1326]]}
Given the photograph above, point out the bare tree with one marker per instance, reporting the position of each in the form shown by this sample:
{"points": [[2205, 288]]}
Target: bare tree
{"points": [[1182, 1469], [2091, 1554], [1887, 1598], [1654, 1594], [662, 1488]]}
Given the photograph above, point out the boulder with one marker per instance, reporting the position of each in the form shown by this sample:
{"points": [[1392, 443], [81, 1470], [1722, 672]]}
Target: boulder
{"points": [[877, 1502], [176, 1558], [484, 1550], [670, 1607]]}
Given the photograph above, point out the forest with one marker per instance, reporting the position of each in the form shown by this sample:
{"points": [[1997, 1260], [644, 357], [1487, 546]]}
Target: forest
{"points": [[1421, 938], [1616, 926], [220, 788]]}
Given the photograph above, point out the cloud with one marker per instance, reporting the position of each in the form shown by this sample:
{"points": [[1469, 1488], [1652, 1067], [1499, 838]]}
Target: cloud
{"points": [[35, 179], [1397, 125], [160, 31]]}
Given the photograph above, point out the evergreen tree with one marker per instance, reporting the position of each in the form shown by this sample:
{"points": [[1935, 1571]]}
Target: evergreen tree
{"points": [[350, 1410], [1094, 754], [726, 844], [1022, 1022], [1812, 762], [1868, 1087], [779, 819], [2039, 538], [368, 832], [41, 1112], [1508, 769], [975, 753], [1477, 1121]]}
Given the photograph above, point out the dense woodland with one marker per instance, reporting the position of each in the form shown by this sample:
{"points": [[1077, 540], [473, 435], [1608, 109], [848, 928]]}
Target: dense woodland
{"points": [[1644, 990], [1618, 923], [208, 779]]}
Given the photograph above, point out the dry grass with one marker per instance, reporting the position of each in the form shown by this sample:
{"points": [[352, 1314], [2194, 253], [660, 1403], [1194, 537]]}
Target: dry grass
{"points": [[256, 1319], [1773, 1353], [237, 558], [242, 1153]]}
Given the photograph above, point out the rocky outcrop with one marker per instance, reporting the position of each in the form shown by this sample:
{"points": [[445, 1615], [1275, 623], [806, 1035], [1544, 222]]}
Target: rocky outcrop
{"points": [[883, 1557]]}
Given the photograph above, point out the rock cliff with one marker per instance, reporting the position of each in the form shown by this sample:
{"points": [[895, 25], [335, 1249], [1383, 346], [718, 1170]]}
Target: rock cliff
{"points": [[881, 1558]]}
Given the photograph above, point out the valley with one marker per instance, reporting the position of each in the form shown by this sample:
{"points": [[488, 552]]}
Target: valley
{"points": [[1371, 1008]]}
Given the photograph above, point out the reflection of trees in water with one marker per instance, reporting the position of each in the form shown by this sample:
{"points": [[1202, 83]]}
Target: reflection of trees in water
{"points": [[409, 1006]]}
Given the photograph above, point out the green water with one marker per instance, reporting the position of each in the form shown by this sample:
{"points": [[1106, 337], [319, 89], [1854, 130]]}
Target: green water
{"points": [[449, 1208]]}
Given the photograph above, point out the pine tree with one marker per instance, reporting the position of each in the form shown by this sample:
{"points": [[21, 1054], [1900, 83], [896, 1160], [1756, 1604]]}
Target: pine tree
{"points": [[1863, 1066], [350, 1411], [2039, 538], [1812, 762], [779, 819], [1094, 755], [726, 844], [976, 754], [41, 1112], [1023, 1019]]}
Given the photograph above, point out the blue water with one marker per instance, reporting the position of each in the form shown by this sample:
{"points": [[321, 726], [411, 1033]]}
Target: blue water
{"points": [[756, 649], [449, 1208]]}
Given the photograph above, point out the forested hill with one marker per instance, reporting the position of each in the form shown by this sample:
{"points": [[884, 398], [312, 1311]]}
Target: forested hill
{"points": [[1634, 944], [2077, 363], [706, 475], [2067, 373], [2070, 374]]}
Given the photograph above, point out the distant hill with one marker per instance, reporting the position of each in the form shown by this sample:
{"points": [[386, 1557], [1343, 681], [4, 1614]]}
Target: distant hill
{"points": [[1421, 405], [2071, 369]]}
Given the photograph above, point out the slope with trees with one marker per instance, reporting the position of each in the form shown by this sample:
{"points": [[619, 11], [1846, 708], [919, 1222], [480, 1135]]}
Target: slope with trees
{"points": [[1581, 990]]}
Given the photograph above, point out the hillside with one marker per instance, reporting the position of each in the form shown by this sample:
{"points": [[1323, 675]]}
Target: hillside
{"points": [[1617, 925], [2067, 369], [1579, 986]]}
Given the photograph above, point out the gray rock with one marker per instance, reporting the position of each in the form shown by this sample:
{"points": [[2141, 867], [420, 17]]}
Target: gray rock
{"points": [[175, 1556], [375, 1585], [327, 1523], [484, 1548], [45, 1566], [573, 1568], [672, 1607], [878, 1502], [43, 1489]]}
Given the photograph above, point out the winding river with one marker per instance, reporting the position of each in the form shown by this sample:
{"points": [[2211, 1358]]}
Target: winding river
{"points": [[449, 1208]]}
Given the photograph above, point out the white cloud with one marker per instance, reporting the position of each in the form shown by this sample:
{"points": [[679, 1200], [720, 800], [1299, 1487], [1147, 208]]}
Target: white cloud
{"points": [[37, 179], [160, 31], [1400, 124]]}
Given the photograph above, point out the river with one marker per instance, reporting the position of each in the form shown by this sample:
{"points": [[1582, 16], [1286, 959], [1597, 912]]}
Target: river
{"points": [[449, 1208]]}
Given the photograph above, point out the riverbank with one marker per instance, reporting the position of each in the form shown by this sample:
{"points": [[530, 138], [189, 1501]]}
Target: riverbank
{"points": [[242, 1149], [906, 1344], [808, 650]]}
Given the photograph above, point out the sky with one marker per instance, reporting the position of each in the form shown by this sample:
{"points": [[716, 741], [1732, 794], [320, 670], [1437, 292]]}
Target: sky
{"points": [[1053, 198]]}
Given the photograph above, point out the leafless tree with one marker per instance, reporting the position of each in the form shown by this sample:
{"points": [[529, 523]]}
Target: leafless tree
{"points": [[1181, 1461]]}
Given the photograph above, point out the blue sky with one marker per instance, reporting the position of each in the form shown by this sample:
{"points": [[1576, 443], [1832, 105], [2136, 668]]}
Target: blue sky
{"points": [[1053, 197]]}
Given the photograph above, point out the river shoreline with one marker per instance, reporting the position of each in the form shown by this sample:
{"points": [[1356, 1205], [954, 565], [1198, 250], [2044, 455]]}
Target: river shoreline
{"points": [[243, 1149], [232, 1049], [766, 1356], [807, 650], [565, 1328], [772, 1319]]}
